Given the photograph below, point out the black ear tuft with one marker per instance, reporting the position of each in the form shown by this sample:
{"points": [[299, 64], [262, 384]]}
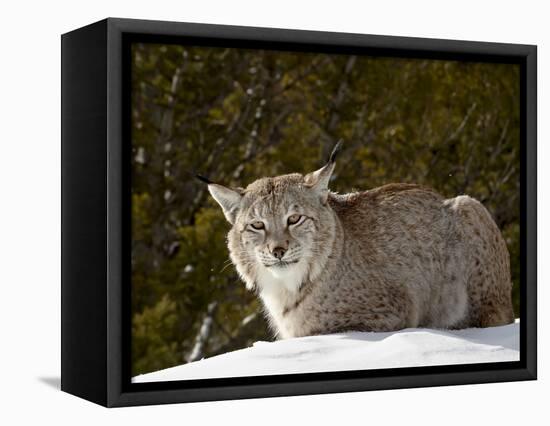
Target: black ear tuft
{"points": [[335, 151], [204, 179]]}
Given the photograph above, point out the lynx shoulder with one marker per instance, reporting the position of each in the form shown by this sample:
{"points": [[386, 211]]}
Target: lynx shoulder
{"points": [[388, 258]]}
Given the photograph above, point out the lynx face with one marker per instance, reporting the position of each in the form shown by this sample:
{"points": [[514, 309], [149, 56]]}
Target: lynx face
{"points": [[283, 228], [277, 236], [276, 227]]}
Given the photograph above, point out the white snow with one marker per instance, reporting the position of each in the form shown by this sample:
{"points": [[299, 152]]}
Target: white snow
{"points": [[354, 351]]}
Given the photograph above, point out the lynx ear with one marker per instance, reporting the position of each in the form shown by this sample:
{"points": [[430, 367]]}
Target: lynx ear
{"points": [[229, 199], [319, 179]]}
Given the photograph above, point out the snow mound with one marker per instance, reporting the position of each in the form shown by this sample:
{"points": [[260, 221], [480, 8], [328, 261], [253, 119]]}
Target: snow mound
{"points": [[354, 351]]}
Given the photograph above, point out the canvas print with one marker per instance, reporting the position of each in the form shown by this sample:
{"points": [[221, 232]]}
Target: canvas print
{"points": [[301, 212]]}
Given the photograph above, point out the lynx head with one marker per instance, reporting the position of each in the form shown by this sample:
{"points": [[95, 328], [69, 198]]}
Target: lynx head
{"points": [[283, 227]]}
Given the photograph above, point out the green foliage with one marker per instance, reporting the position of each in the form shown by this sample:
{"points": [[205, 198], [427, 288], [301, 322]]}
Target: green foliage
{"points": [[236, 115], [152, 347]]}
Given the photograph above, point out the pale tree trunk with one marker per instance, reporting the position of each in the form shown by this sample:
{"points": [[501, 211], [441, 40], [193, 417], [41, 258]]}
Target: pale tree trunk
{"points": [[204, 334]]}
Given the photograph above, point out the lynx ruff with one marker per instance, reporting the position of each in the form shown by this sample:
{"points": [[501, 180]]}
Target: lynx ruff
{"points": [[388, 258]]}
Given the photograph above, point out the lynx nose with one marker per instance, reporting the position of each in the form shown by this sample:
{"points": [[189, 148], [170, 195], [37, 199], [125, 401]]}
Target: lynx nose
{"points": [[278, 252]]}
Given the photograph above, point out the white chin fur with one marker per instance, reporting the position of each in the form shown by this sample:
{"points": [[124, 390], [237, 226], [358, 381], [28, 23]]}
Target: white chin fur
{"points": [[289, 277], [281, 282]]}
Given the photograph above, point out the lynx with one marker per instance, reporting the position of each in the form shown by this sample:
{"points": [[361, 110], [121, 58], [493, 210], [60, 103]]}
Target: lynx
{"points": [[389, 258]]}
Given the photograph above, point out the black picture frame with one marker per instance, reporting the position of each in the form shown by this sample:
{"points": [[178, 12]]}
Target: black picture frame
{"points": [[95, 330]]}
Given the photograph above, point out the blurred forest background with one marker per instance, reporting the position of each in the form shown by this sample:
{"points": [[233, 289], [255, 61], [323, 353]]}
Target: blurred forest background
{"points": [[236, 115]]}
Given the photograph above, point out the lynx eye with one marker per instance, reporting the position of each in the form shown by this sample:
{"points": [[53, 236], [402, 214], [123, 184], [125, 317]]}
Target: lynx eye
{"points": [[294, 219], [257, 225]]}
